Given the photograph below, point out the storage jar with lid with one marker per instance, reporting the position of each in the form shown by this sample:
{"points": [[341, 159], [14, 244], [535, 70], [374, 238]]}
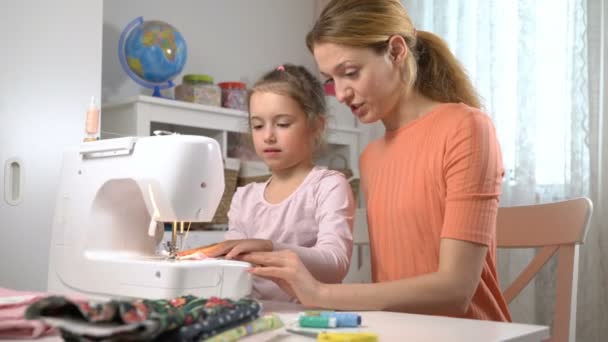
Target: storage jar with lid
{"points": [[199, 89], [234, 95]]}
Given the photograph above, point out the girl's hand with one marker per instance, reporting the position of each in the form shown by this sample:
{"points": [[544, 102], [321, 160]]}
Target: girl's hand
{"points": [[232, 248], [287, 270]]}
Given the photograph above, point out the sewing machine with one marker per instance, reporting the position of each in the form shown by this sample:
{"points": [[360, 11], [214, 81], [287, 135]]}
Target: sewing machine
{"points": [[114, 196]]}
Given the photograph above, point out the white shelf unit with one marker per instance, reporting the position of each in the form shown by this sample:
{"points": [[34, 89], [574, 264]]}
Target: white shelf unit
{"points": [[141, 115]]}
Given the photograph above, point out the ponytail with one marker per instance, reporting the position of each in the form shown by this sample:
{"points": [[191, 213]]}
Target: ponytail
{"points": [[440, 76], [430, 68]]}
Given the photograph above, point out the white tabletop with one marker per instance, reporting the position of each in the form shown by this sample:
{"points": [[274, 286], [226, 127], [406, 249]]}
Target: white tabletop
{"points": [[392, 326]]}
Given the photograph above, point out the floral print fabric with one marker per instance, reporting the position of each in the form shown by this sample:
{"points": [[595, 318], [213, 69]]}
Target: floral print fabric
{"points": [[186, 318]]}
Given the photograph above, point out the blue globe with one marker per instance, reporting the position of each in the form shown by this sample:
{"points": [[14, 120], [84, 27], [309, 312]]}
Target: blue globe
{"points": [[152, 53]]}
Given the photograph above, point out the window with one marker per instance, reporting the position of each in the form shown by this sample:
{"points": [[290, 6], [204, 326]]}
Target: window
{"points": [[527, 59]]}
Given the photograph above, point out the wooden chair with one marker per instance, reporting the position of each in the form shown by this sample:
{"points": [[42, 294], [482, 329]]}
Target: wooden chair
{"points": [[558, 227]]}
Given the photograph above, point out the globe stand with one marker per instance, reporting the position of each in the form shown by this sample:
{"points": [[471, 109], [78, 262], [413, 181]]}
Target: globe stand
{"points": [[122, 57], [158, 88], [156, 92]]}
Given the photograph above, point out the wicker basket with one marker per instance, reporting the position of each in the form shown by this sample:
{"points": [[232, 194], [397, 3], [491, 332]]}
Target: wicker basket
{"points": [[242, 181], [355, 185], [221, 214], [346, 171], [252, 172]]}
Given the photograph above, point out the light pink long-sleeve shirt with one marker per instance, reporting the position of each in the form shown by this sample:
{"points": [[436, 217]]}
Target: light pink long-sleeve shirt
{"points": [[315, 221]]}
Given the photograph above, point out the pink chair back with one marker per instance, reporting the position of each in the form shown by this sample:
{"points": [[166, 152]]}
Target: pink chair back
{"points": [[558, 227]]}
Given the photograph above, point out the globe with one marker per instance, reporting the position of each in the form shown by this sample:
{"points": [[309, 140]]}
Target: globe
{"points": [[152, 53]]}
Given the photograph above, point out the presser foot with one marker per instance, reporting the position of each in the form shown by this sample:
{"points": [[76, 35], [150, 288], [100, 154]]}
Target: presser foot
{"points": [[171, 249]]}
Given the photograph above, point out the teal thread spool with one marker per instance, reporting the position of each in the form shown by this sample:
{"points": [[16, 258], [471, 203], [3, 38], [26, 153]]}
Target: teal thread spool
{"points": [[317, 322], [344, 319]]}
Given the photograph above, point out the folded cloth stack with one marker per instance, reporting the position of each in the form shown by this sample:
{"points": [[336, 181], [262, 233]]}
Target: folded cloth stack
{"points": [[13, 325], [186, 318]]}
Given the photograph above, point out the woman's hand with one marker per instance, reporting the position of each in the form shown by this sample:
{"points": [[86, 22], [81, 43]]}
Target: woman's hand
{"points": [[287, 270], [232, 248]]}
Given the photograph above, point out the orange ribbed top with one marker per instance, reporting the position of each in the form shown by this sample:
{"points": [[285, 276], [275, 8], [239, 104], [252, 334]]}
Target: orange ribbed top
{"points": [[436, 177]]}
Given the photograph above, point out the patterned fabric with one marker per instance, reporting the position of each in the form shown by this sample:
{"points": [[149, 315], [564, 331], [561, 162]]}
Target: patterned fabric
{"points": [[224, 317], [266, 323], [185, 318]]}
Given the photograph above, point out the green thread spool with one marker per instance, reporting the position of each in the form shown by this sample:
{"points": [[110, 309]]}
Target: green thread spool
{"points": [[317, 322]]}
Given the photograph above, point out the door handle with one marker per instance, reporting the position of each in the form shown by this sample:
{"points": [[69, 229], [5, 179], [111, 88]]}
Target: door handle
{"points": [[13, 181]]}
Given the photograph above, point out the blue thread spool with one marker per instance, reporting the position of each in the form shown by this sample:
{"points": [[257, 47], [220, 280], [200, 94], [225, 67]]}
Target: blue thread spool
{"points": [[344, 319]]}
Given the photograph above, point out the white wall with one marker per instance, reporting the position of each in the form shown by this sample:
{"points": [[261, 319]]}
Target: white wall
{"points": [[50, 66], [227, 39]]}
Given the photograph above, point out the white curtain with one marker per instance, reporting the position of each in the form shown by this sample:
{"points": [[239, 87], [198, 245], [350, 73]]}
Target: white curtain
{"points": [[593, 288], [542, 74], [530, 61]]}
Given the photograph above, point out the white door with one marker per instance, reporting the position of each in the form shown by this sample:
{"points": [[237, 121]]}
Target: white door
{"points": [[50, 66]]}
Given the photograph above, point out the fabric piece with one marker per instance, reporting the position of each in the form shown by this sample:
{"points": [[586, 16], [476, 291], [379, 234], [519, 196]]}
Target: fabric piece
{"points": [[242, 314], [13, 324], [315, 221], [266, 323], [437, 177], [131, 320]]}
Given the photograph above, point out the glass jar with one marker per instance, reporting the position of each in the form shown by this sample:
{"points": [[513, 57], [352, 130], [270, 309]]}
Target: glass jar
{"points": [[199, 89], [234, 95]]}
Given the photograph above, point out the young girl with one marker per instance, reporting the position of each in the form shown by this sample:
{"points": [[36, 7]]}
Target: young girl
{"points": [[303, 208], [431, 184]]}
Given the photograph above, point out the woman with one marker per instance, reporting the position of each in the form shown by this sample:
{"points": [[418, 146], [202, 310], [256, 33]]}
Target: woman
{"points": [[431, 183]]}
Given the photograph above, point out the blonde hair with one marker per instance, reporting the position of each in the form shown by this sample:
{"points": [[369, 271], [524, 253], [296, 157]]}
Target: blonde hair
{"points": [[303, 87], [296, 82], [430, 67]]}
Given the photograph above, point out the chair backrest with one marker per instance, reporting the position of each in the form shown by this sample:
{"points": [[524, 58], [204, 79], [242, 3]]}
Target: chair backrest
{"points": [[558, 227]]}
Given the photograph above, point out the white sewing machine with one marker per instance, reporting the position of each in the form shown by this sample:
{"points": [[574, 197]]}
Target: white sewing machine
{"points": [[113, 197]]}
